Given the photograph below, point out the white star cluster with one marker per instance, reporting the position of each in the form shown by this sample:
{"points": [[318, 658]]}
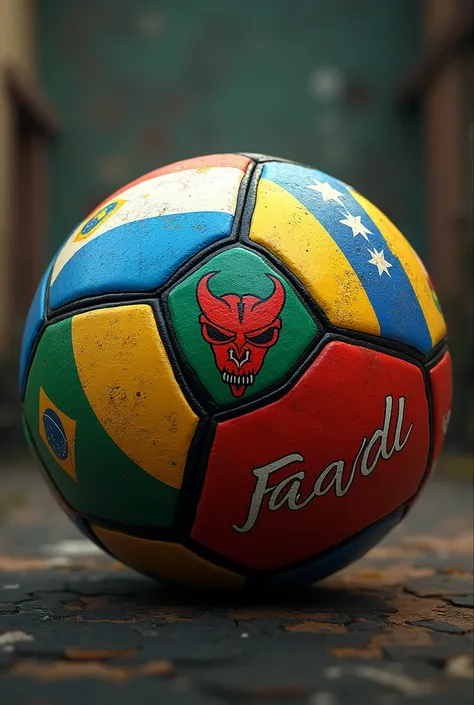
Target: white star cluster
{"points": [[354, 222]]}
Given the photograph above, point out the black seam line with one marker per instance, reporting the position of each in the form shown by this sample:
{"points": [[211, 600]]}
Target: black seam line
{"points": [[47, 308], [392, 345], [250, 202], [321, 317], [265, 158], [191, 381], [90, 302], [73, 515], [79, 305], [437, 354], [426, 368], [191, 398], [38, 336], [253, 575], [280, 572], [193, 479], [303, 366], [202, 400], [200, 447], [429, 459], [85, 520], [188, 378]]}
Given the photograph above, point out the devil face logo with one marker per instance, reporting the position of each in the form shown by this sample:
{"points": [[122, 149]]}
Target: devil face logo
{"points": [[240, 330]]}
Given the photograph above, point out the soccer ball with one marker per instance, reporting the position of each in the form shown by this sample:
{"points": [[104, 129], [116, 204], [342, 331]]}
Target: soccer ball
{"points": [[235, 372]]}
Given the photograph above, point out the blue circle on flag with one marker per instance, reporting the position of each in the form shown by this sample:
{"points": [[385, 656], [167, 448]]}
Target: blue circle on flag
{"points": [[55, 434], [98, 217]]}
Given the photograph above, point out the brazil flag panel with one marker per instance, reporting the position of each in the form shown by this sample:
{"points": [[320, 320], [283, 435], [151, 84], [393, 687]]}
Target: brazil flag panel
{"points": [[87, 466], [239, 324]]}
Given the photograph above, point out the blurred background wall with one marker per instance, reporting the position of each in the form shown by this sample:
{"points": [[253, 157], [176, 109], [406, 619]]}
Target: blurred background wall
{"points": [[377, 92]]}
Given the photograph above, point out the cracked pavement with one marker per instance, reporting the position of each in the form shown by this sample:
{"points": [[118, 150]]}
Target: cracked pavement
{"points": [[77, 626]]}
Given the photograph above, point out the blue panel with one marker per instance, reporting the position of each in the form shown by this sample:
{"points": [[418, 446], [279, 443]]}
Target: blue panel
{"points": [[338, 557], [55, 434], [36, 316], [390, 292], [137, 256]]}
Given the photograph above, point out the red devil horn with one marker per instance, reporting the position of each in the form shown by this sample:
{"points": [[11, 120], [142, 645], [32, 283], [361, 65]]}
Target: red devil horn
{"points": [[214, 308], [266, 311]]}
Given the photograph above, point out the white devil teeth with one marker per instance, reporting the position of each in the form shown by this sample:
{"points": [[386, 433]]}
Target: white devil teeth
{"points": [[239, 380]]}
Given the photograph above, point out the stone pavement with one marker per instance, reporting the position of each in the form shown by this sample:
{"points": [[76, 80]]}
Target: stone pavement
{"points": [[76, 627]]}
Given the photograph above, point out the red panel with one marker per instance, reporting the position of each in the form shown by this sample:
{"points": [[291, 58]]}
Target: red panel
{"points": [[442, 386], [233, 160], [344, 447]]}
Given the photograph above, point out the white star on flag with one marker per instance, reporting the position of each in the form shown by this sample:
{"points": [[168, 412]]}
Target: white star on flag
{"points": [[379, 261], [354, 223], [327, 191]]}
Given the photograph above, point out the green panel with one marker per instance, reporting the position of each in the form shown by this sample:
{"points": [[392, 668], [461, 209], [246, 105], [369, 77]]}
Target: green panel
{"points": [[239, 272], [109, 485]]}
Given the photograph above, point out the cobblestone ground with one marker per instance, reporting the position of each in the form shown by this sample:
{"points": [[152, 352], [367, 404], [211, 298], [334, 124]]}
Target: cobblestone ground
{"points": [[77, 627]]}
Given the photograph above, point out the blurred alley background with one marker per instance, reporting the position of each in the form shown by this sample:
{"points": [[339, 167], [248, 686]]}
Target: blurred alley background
{"points": [[93, 93]]}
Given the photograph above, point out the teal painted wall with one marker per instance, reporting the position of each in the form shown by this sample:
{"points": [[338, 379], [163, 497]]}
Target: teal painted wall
{"points": [[139, 83]]}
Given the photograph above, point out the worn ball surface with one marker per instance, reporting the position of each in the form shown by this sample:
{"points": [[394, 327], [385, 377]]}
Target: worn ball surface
{"points": [[234, 372]]}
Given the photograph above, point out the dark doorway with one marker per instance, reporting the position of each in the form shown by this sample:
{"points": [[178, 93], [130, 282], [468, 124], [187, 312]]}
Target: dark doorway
{"points": [[33, 125]]}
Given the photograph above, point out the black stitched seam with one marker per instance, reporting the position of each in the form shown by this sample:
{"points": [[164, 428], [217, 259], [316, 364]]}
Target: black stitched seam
{"points": [[76, 518], [222, 561], [441, 350], [80, 305], [303, 366], [38, 337]]}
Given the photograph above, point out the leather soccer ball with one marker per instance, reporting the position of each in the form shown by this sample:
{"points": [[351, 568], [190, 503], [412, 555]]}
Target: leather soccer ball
{"points": [[234, 372]]}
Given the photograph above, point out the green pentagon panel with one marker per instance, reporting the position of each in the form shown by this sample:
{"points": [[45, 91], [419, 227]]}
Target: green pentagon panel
{"points": [[90, 471], [239, 324]]}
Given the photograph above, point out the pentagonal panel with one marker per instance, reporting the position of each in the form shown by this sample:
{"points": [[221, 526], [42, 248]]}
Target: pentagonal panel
{"points": [[139, 237], [358, 267], [345, 447], [107, 416], [239, 324]]}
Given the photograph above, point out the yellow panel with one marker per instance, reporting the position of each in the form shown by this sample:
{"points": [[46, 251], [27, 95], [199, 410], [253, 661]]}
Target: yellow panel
{"points": [[169, 560], [413, 266], [129, 382], [67, 432], [283, 225]]}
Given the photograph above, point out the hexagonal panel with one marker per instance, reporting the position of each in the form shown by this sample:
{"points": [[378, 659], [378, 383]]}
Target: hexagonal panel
{"points": [[239, 324], [140, 236], [107, 416], [345, 447], [354, 262]]}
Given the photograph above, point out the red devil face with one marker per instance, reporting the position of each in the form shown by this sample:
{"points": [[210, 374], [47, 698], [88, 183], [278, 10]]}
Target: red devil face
{"points": [[240, 329]]}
